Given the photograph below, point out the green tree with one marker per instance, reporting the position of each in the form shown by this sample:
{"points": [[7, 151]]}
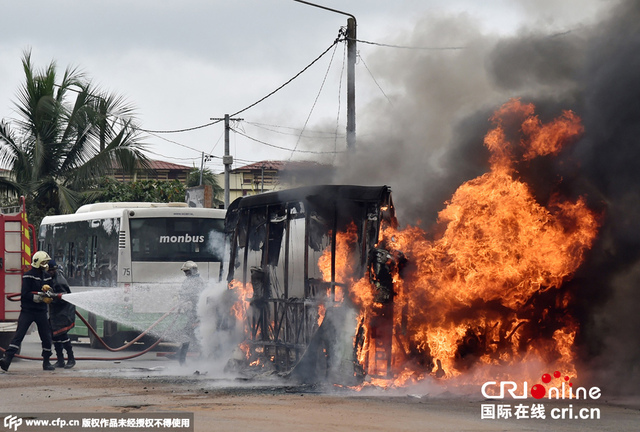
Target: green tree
{"points": [[68, 136], [208, 178], [140, 191]]}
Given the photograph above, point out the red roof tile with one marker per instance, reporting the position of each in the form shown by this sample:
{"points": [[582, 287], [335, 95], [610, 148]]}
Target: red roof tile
{"points": [[162, 165]]}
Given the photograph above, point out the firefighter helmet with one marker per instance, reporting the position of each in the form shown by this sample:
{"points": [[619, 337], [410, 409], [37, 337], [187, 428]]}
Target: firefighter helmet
{"points": [[189, 267], [40, 259]]}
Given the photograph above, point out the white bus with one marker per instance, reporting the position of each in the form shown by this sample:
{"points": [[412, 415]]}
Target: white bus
{"points": [[136, 247]]}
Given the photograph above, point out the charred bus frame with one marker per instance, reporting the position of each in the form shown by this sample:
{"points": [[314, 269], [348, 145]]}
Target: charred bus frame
{"points": [[274, 241]]}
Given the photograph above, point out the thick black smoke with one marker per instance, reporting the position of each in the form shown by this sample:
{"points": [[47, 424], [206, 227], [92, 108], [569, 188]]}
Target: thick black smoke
{"points": [[427, 139]]}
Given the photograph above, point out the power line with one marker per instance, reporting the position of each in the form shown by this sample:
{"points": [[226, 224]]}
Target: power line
{"points": [[270, 128], [450, 48], [171, 157], [324, 80], [284, 148], [374, 79], [178, 130], [217, 142], [335, 140], [248, 107], [286, 83], [174, 142]]}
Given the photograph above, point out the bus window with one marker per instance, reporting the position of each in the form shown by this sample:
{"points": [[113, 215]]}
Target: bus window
{"points": [[177, 239]]}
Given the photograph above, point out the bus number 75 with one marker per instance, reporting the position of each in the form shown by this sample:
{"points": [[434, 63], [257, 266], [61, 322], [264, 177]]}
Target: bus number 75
{"points": [[126, 271]]}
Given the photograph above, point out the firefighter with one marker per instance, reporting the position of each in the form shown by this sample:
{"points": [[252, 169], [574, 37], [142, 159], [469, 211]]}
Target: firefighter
{"points": [[188, 297], [33, 308], [62, 317]]}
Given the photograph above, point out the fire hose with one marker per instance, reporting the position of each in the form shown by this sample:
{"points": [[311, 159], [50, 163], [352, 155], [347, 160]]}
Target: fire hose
{"points": [[13, 297]]}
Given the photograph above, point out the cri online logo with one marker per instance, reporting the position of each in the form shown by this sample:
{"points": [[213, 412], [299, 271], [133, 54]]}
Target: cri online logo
{"points": [[496, 390]]}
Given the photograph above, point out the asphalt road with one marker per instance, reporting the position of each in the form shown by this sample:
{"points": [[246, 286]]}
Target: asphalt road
{"points": [[155, 383]]}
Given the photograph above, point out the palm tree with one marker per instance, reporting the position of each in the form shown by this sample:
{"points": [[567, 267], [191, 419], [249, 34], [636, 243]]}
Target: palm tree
{"points": [[69, 135]]}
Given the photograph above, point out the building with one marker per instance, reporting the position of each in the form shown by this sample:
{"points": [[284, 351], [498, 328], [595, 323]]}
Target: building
{"points": [[158, 170], [266, 176]]}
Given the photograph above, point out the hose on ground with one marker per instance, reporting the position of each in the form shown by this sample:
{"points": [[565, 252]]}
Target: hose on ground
{"points": [[125, 346]]}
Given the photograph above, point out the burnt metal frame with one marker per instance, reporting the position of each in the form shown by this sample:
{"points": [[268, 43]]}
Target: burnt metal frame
{"points": [[285, 326]]}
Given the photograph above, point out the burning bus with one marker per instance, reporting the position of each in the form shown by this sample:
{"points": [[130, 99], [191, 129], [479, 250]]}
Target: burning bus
{"points": [[328, 287]]}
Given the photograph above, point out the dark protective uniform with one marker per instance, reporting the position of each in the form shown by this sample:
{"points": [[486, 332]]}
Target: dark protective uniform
{"points": [[62, 316], [31, 311]]}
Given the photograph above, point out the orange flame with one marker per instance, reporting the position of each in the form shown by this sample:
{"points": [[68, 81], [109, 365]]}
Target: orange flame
{"points": [[344, 265], [244, 293], [487, 290]]}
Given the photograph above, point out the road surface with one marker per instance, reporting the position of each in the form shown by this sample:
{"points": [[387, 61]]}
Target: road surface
{"points": [[154, 383]]}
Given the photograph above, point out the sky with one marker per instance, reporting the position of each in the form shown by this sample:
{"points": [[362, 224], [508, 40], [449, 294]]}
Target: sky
{"points": [[182, 63]]}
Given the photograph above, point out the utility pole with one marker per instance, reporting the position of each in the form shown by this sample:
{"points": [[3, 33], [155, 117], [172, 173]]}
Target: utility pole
{"points": [[351, 72], [227, 159], [202, 161], [351, 83]]}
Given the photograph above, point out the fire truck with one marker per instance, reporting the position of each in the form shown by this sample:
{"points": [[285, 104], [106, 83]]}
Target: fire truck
{"points": [[16, 247]]}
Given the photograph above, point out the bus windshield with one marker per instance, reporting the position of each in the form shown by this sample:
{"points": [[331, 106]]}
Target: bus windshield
{"points": [[176, 239]]}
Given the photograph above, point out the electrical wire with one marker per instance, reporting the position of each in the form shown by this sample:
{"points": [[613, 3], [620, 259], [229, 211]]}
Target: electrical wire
{"points": [[335, 42], [324, 80], [171, 157], [344, 63], [450, 48], [156, 133], [179, 130], [217, 142], [374, 79], [283, 148], [249, 106], [174, 142], [342, 37], [447, 48], [270, 128]]}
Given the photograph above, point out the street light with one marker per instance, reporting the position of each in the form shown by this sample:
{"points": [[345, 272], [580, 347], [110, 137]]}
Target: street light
{"points": [[351, 72]]}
